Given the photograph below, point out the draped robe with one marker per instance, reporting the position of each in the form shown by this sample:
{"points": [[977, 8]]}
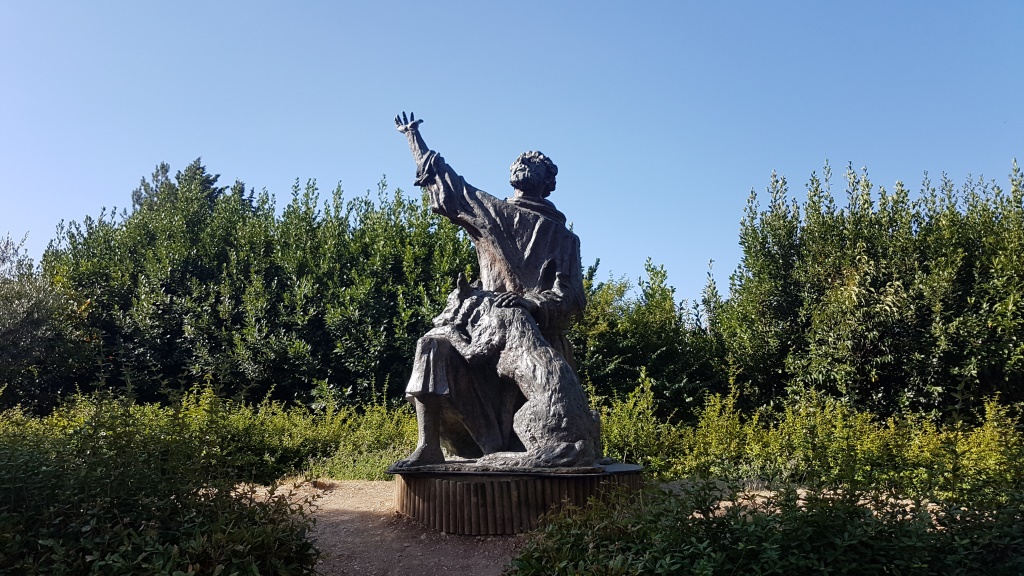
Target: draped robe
{"points": [[524, 247]]}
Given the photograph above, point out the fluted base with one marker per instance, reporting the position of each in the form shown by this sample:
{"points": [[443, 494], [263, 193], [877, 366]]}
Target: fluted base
{"points": [[500, 502]]}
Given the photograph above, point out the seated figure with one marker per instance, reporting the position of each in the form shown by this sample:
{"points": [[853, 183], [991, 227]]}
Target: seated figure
{"points": [[494, 379]]}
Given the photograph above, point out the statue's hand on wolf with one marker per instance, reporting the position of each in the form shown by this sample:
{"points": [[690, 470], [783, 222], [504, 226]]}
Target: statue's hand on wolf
{"points": [[477, 320]]}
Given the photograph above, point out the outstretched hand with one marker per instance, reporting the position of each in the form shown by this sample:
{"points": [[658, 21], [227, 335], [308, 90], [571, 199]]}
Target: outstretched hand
{"points": [[406, 124]]}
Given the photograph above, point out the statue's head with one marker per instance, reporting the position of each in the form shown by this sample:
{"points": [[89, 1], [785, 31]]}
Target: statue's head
{"points": [[533, 174]]}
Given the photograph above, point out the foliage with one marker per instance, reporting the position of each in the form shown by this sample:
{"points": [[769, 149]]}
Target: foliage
{"points": [[759, 322], [113, 487], [632, 432], [714, 528], [369, 442], [892, 304], [203, 283], [623, 341], [870, 353], [106, 487], [817, 441], [42, 348]]}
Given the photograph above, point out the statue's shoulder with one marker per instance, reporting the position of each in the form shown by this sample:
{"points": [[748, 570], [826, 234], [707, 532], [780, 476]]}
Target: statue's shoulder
{"points": [[540, 206]]}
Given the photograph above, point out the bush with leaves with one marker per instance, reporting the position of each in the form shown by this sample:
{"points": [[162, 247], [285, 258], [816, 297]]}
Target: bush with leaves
{"points": [[717, 528], [204, 283], [632, 432], [892, 304], [817, 441], [623, 341], [371, 439], [106, 487], [43, 347]]}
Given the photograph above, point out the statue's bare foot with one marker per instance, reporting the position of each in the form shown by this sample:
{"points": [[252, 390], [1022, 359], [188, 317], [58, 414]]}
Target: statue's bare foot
{"points": [[423, 456]]}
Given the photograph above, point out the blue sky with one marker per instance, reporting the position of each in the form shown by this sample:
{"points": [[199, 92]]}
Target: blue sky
{"points": [[661, 116]]}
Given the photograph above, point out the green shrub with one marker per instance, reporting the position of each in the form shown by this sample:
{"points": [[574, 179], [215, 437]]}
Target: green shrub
{"points": [[892, 301], [631, 332], [370, 439], [105, 487], [112, 487], [818, 441], [43, 346], [261, 442], [690, 531], [208, 282], [632, 432]]}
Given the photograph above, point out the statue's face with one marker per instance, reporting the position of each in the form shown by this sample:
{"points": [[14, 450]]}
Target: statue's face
{"points": [[528, 177]]}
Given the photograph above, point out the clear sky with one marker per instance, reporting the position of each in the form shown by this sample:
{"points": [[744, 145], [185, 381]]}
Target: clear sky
{"points": [[661, 116]]}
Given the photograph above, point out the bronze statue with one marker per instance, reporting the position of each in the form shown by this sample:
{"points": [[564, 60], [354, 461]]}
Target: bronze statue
{"points": [[494, 378]]}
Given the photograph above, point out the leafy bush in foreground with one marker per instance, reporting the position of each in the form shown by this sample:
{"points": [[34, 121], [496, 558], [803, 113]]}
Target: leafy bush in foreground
{"points": [[690, 531], [818, 441], [105, 487], [113, 487], [109, 487]]}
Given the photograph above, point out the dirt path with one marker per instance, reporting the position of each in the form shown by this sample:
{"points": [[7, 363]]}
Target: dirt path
{"points": [[361, 534]]}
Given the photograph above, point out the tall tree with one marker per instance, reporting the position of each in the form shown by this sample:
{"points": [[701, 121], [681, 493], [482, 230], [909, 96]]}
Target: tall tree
{"points": [[760, 323], [206, 283]]}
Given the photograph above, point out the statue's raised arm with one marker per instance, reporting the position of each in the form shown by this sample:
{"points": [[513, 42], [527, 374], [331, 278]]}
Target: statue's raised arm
{"points": [[410, 126]]}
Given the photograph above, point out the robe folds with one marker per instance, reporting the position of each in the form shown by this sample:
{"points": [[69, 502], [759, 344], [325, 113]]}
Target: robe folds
{"points": [[523, 246]]}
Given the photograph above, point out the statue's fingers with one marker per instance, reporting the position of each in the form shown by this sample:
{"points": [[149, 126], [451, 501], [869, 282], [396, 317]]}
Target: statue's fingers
{"points": [[398, 121], [404, 119], [412, 117]]}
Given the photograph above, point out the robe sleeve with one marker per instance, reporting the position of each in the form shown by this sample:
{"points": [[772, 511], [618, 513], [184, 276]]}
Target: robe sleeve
{"points": [[452, 197]]}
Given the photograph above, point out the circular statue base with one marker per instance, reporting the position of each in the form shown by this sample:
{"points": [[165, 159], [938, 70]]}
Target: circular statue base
{"points": [[475, 502]]}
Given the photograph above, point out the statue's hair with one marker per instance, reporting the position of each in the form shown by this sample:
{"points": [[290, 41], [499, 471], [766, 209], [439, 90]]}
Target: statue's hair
{"points": [[539, 158]]}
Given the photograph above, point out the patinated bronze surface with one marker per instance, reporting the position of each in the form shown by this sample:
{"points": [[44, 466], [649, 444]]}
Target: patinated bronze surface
{"points": [[493, 380]]}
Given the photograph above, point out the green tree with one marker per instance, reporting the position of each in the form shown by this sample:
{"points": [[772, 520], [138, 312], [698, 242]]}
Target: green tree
{"points": [[623, 339], [42, 344], [888, 303], [760, 322], [206, 283]]}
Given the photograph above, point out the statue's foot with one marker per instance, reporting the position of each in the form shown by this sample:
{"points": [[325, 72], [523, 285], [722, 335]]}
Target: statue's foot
{"points": [[423, 456]]}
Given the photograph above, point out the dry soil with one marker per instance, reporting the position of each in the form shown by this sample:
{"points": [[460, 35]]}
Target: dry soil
{"points": [[361, 534]]}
